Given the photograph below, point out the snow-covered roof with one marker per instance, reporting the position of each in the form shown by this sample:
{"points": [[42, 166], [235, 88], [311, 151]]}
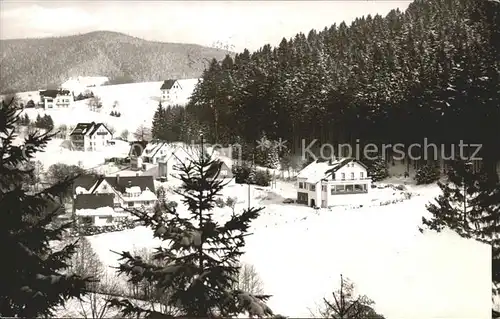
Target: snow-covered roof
{"points": [[101, 211], [321, 169], [147, 195], [81, 190], [133, 189]]}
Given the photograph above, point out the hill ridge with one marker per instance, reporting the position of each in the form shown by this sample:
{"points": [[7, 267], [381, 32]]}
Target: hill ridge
{"points": [[33, 63]]}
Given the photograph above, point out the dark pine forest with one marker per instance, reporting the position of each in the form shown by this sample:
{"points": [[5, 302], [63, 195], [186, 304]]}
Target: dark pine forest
{"points": [[429, 72]]}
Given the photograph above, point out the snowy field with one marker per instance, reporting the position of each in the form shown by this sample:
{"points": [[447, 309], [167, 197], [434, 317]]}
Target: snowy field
{"points": [[300, 252], [136, 102]]}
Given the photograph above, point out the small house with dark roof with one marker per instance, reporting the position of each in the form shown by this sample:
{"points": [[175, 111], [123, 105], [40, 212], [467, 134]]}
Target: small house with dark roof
{"points": [[90, 136], [219, 170], [126, 191], [56, 98], [97, 209], [170, 90], [320, 183]]}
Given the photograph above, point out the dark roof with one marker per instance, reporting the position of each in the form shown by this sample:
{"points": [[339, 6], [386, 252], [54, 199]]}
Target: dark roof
{"points": [[137, 147], [121, 182], [216, 167], [54, 93], [167, 84], [82, 128], [96, 127], [93, 201], [85, 181]]}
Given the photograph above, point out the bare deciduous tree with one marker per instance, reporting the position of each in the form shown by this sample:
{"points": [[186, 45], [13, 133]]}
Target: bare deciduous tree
{"points": [[111, 129], [345, 305], [86, 263], [124, 135], [249, 280], [142, 133], [94, 103], [145, 291]]}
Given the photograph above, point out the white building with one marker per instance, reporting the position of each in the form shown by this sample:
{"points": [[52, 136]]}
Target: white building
{"points": [[177, 91], [125, 192], [320, 183], [56, 98], [97, 209], [90, 136]]}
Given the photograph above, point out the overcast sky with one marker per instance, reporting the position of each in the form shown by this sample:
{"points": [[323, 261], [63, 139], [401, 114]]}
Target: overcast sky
{"points": [[240, 24]]}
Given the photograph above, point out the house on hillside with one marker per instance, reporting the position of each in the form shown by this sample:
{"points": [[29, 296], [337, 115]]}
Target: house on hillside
{"points": [[90, 136], [97, 209], [143, 154], [177, 91], [127, 191], [56, 98], [320, 182], [170, 90]]}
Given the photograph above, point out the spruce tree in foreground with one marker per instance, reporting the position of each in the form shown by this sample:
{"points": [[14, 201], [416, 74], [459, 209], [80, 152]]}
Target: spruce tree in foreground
{"points": [[33, 280], [470, 206], [199, 257]]}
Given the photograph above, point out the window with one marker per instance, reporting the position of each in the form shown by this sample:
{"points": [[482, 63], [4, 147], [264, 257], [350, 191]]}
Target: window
{"points": [[130, 204], [343, 176], [301, 185], [109, 220], [312, 187], [340, 188], [323, 188], [361, 175], [349, 188], [352, 175], [334, 177], [323, 203]]}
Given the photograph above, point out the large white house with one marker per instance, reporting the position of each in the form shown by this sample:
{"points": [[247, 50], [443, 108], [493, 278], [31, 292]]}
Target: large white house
{"points": [[102, 199], [90, 136], [322, 181], [56, 98], [177, 91]]}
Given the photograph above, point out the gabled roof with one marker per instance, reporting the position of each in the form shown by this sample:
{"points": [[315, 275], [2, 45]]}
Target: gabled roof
{"points": [[82, 128], [85, 181], [54, 93], [96, 127], [93, 201], [321, 169], [122, 182], [218, 166], [167, 84]]}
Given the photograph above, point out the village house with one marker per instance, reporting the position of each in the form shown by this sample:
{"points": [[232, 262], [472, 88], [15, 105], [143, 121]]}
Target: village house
{"points": [[170, 90], [145, 154], [320, 182], [174, 91], [127, 191], [56, 98], [97, 209], [90, 136], [221, 172]]}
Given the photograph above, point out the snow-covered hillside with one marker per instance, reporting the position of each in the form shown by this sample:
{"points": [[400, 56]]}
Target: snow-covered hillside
{"points": [[136, 103], [300, 252]]}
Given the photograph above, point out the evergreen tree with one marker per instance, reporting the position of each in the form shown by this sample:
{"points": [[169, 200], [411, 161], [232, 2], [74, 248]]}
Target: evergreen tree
{"points": [[38, 121], [198, 263], [48, 123], [158, 123], [273, 159], [377, 169], [469, 205], [34, 281]]}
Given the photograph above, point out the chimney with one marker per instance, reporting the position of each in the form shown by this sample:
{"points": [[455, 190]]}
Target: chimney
{"points": [[117, 178]]}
